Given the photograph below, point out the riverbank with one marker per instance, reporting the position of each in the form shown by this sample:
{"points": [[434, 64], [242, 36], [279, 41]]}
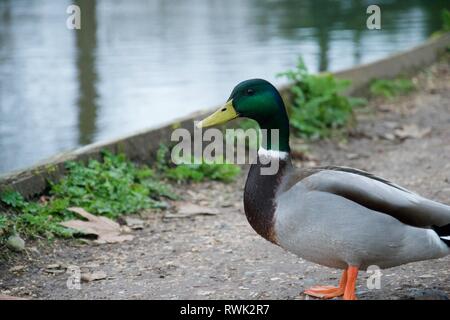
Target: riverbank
{"points": [[219, 256]]}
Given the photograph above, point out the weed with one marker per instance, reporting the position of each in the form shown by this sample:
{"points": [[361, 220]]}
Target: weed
{"points": [[318, 104], [112, 187], [195, 172], [445, 16], [391, 88], [12, 199], [4, 221]]}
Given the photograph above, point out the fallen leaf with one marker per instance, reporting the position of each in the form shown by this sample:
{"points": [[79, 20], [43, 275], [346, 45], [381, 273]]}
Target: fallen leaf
{"points": [[188, 209], [106, 230], [94, 276], [411, 131]]}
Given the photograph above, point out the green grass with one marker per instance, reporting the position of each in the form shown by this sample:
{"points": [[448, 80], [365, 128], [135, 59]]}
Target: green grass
{"points": [[195, 172], [318, 105], [4, 222], [391, 88], [445, 16], [112, 187], [30, 219]]}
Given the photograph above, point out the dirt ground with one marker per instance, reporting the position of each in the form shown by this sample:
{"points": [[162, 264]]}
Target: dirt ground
{"points": [[406, 140]]}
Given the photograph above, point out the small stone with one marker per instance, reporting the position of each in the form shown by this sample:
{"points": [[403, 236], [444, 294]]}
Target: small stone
{"points": [[88, 277], [388, 136], [353, 156], [134, 223], [275, 279], [34, 250], [16, 243], [205, 293], [426, 276]]}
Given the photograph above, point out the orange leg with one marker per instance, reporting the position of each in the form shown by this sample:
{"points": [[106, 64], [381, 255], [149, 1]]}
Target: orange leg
{"points": [[346, 287], [329, 292], [352, 274]]}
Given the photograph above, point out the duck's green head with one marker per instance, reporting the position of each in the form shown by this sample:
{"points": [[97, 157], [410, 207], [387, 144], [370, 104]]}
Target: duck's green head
{"points": [[256, 99]]}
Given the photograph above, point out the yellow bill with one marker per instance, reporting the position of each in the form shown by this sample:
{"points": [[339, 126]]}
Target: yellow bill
{"points": [[224, 114]]}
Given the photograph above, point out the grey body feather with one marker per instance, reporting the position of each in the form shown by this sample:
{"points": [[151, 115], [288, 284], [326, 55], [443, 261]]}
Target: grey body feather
{"points": [[338, 217]]}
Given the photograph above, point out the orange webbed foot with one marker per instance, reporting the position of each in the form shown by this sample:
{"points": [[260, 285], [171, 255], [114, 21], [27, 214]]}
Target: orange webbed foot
{"points": [[324, 292], [346, 287], [328, 292]]}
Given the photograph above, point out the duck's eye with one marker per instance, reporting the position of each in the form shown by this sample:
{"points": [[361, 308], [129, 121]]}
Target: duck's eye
{"points": [[250, 92]]}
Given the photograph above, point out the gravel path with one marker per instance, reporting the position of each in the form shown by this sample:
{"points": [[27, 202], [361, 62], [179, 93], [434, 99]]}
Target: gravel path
{"points": [[406, 140]]}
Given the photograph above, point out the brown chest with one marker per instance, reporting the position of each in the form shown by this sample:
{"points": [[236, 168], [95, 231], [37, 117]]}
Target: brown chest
{"points": [[260, 200]]}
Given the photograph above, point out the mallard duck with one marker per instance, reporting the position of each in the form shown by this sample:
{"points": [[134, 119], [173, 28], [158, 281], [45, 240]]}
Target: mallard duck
{"points": [[334, 216]]}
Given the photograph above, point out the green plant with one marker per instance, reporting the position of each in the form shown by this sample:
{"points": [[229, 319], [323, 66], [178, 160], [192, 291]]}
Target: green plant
{"points": [[12, 198], [445, 16], [318, 104], [31, 219], [391, 88], [195, 172], [110, 187], [198, 172], [3, 223]]}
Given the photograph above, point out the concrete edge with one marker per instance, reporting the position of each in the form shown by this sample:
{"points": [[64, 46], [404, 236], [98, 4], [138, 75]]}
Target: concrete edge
{"points": [[142, 146]]}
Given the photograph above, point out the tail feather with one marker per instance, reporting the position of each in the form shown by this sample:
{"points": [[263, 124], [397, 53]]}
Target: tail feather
{"points": [[443, 233]]}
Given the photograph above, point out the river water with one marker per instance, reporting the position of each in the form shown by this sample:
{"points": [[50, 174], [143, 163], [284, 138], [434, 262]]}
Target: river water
{"points": [[137, 64]]}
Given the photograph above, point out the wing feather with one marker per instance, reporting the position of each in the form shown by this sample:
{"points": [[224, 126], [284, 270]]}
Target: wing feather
{"points": [[378, 194]]}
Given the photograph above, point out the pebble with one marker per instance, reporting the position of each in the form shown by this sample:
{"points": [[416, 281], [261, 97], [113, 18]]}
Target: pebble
{"points": [[16, 243]]}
